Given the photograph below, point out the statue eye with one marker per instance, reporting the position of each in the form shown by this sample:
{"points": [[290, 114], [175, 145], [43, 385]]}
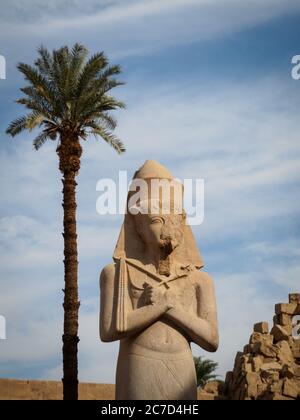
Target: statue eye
{"points": [[157, 220]]}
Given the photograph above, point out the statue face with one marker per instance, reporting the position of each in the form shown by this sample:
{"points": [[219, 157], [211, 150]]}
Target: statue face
{"points": [[150, 228], [160, 231]]}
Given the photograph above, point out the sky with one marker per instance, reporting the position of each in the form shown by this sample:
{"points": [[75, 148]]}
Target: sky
{"points": [[209, 94]]}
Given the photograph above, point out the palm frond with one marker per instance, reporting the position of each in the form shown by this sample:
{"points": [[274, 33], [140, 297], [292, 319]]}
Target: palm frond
{"points": [[109, 138], [17, 126], [44, 62], [110, 103], [205, 370], [27, 122], [40, 140], [35, 95], [109, 121], [95, 109], [41, 85], [90, 71], [79, 55], [61, 70], [33, 120], [110, 71], [37, 106]]}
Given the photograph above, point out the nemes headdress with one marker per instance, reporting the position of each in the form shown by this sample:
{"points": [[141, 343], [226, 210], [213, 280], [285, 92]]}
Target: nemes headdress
{"points": [[157, 201]]}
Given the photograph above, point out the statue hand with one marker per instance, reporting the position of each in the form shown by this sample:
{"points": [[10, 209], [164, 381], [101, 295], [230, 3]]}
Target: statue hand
{"points": [[156, 296]]}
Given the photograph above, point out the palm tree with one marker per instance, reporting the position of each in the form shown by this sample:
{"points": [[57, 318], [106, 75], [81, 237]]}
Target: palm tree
{"points": [[68, 99], [205, 370]]}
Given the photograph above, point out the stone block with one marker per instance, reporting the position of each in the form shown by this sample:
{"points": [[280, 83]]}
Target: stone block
{"points": [[283, 320], [290, 389], [247, 349], [276, 387], [297, 371], [294, 297], [211, 387], [247, 367], [205, 396], [261, 327], [286, 308], [271, 367], [287, 372], [279, 397], [270, 376], [295, 347], [261, 338], [252, 381], [229, 377], [284, 354], [257, 363], [238, 360], [280, 333], [266, 350]]}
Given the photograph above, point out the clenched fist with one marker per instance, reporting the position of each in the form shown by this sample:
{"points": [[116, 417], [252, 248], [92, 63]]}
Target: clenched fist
{"points": [[156, 296]]}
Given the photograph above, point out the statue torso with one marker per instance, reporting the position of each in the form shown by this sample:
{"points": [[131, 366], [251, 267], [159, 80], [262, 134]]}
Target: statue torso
{"points": [[163, 335]]}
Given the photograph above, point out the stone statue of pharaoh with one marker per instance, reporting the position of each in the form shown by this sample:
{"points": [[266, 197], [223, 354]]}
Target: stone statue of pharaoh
{"points": [[156, 301]]}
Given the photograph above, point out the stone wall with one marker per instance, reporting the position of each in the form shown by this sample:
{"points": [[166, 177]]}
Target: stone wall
{"points": [[269, 366], [11, 389]]}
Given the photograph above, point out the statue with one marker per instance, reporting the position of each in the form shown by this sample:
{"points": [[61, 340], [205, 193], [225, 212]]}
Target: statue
{"points": [[155, 300]]}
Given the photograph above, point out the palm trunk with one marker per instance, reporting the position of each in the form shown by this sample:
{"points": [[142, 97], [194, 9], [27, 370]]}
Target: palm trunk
{"points": [[69, 153]]}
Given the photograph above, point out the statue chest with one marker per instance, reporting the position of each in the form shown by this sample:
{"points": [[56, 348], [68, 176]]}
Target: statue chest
{"points": [[180, 291]]}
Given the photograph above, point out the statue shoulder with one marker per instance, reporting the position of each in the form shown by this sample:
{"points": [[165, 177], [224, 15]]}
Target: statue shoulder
{"points": [[108, 273], [203, 279]]}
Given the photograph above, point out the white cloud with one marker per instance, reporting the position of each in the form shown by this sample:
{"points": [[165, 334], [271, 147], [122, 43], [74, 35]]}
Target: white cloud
{"points": [[247, 150], [33, 10], [146, 26], [289, 249], [33, 243]]}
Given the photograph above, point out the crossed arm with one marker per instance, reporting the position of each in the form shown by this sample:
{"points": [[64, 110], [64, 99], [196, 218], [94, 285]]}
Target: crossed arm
{"points": [[201, 328]]}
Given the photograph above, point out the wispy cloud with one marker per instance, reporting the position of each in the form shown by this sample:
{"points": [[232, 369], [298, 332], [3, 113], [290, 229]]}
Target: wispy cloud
{"points": [[146, 26], [235, 137], [32, 10], [241, 137]]}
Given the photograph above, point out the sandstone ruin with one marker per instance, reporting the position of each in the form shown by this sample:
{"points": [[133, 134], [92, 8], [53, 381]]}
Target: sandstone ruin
{"points": [[269, 366]]}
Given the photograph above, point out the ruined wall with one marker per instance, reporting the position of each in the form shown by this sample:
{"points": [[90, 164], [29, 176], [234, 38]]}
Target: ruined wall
{"points": [[269, 366], [11, 389]]}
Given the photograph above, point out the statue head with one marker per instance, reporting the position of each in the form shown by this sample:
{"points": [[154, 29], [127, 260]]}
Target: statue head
{"points": [[161, 231], [155, 221]]}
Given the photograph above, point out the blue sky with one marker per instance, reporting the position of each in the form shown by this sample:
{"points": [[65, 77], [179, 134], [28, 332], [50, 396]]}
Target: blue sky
{"points": [[210, 95]]}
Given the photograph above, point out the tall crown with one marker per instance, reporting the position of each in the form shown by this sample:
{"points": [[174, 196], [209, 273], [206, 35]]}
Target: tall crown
{"points": [[152, 169], [162, 193]]}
